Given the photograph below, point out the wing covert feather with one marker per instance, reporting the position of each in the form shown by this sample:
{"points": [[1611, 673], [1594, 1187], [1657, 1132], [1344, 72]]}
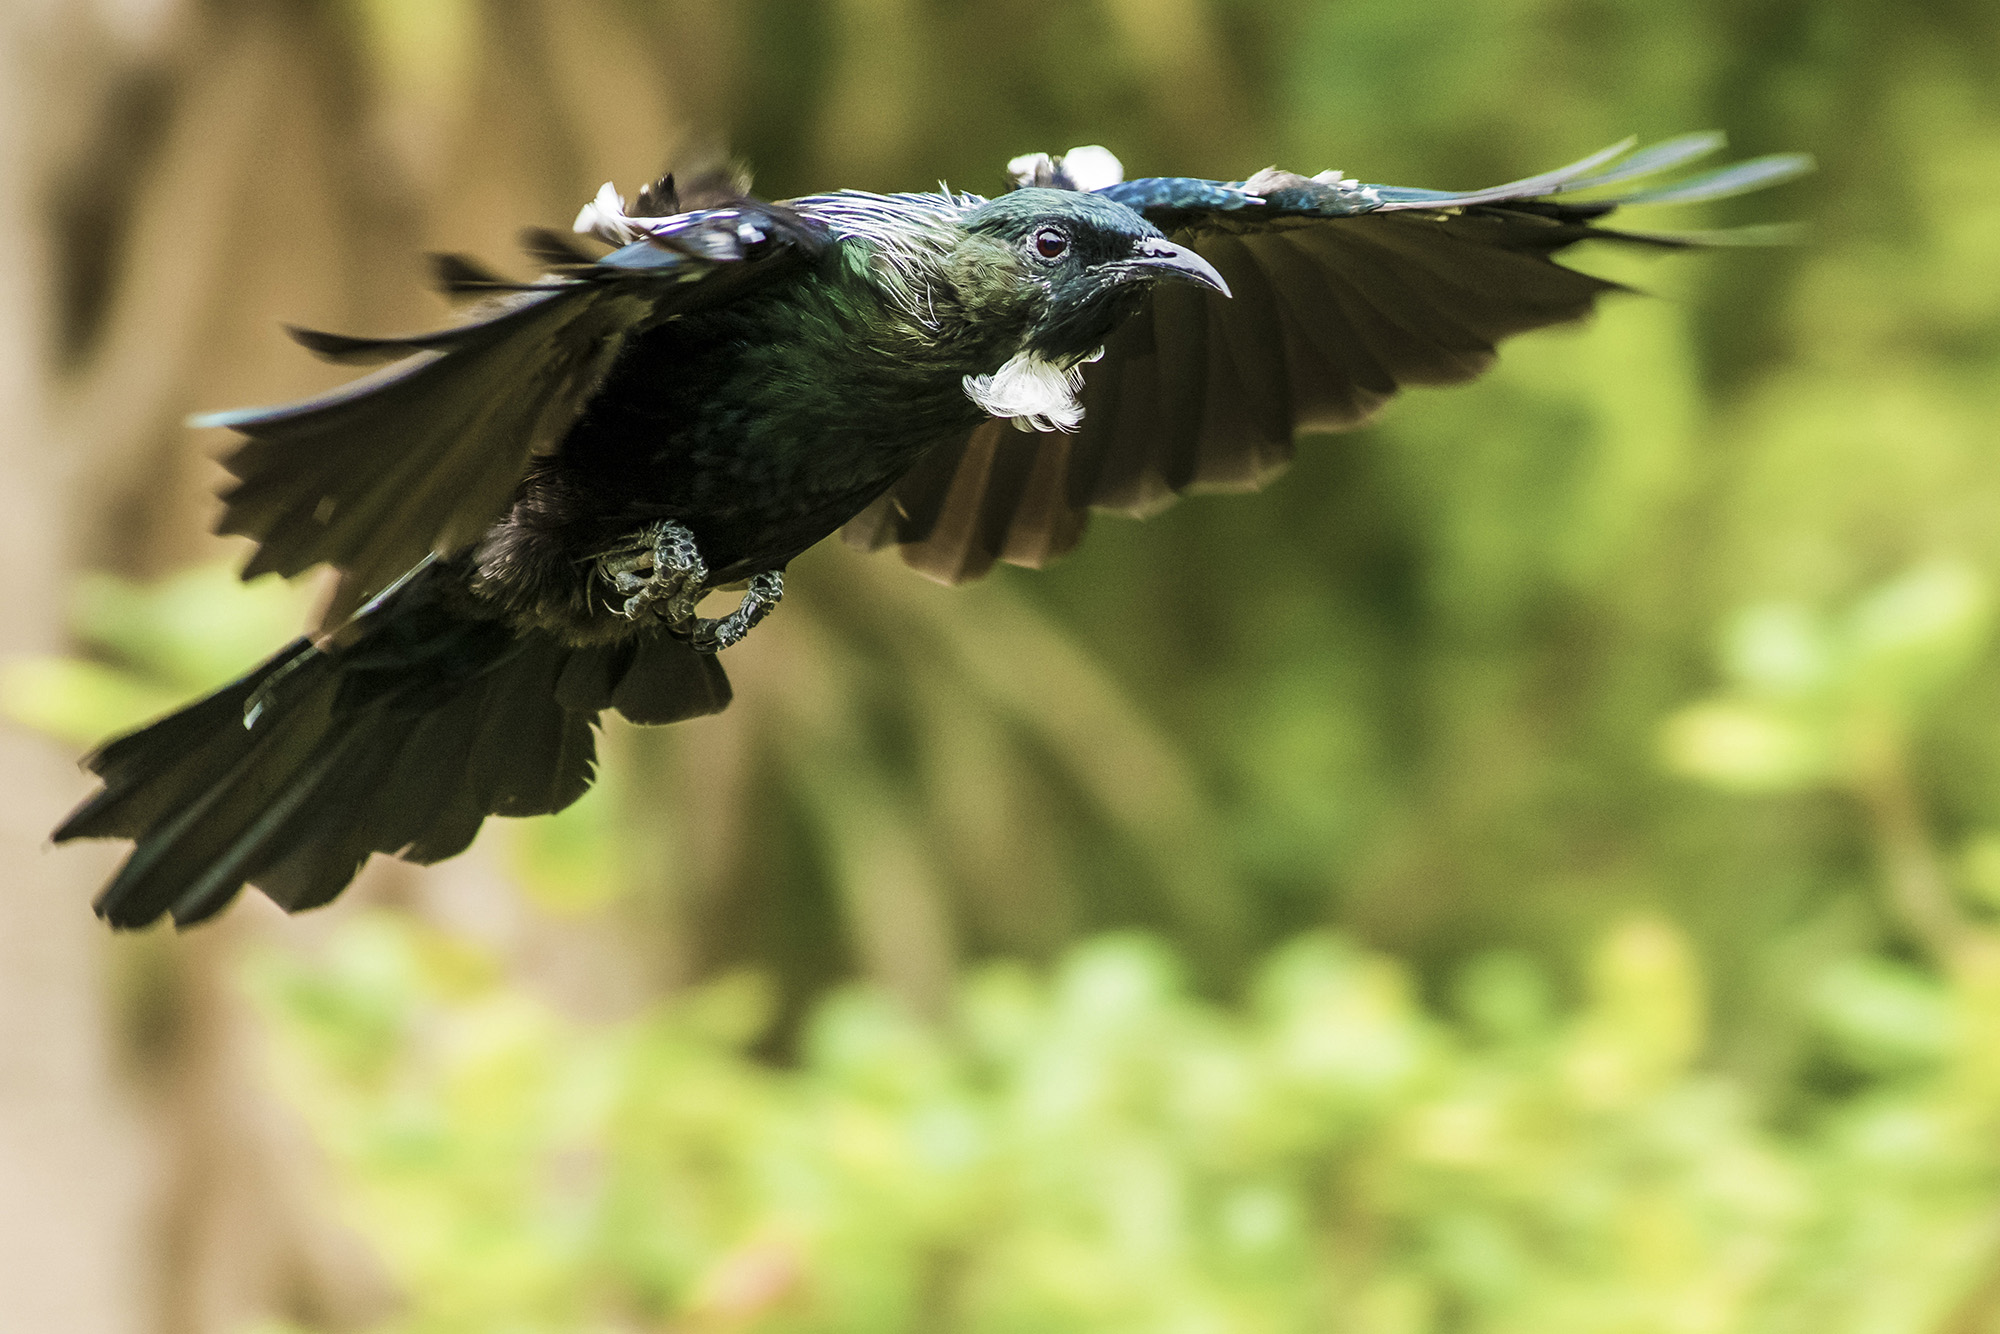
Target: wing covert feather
{"points": [[422, 455]]}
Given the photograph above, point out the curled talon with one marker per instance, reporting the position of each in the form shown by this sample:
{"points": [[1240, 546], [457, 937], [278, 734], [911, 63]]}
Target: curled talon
{"points": [[661, 574], [713, 635]]}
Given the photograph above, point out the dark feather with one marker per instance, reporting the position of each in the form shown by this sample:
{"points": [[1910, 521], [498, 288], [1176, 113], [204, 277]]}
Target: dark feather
{"points": [[554, 249], [706, 180], [1736, 179], [346, 350], [463, 276], [1343, 294], [422, 455], [1663, 156], [669, 682], [958, 543], [1119, 452], [402, 737]]}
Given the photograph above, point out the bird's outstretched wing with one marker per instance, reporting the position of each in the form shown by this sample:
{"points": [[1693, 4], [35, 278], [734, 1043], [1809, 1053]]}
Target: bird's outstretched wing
{"points": [[422, 455], [1344, 293]]}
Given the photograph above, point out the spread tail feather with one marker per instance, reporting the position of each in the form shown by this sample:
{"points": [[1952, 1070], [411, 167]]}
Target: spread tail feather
{"points": [[401, 735]]}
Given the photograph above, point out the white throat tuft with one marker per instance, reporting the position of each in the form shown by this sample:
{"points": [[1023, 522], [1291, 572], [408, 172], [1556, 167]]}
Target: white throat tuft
{"points": [[1036, 395]]}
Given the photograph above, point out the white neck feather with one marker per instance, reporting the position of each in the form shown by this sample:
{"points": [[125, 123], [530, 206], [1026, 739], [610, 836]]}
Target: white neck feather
{"points": [[1036, 395]]}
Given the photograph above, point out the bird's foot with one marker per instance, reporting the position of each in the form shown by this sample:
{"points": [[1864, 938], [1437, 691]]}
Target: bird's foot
{"points": [[661, 575], [763, 592]]}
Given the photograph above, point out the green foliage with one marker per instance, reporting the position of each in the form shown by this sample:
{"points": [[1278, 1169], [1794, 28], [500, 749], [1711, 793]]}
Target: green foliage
{"points": [[1096, 1149], [1813, 695]]}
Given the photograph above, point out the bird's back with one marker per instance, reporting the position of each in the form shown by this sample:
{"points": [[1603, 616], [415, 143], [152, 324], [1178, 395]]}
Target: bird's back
{"points": [[765, 424]]}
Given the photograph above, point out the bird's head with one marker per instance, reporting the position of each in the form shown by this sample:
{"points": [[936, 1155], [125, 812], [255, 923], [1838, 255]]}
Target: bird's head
{"points": [[1093, 257]]}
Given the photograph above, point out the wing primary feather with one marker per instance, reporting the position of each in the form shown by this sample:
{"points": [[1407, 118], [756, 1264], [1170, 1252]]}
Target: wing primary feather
{"points": [[1138, 473], [1005, 486], [342, 349], [461, 275], [1336, 367], [1735, 179], [554, 249], [873, 528], [1180, 358], [950, 552], [1414, 336], [1045, 524], [1246, 332], [921, 494], [1121, 470], [1653, 159]]}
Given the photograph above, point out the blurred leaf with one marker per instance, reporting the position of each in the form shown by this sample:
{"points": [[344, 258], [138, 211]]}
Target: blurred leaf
{"points": [[1919, 631], [195, 629], [1778, 649], [1646, 1021], [1743, 745], [1979, 865], [1505, 995], [1884, 1016], [77, 701], [523, 1171]]}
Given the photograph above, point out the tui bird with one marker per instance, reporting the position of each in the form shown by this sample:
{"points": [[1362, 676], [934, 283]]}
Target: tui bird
{"points": [[527, 508]]}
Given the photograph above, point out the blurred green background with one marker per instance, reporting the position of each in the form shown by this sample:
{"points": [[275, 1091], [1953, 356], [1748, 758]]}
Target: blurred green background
{"points": [[1535, 868]]}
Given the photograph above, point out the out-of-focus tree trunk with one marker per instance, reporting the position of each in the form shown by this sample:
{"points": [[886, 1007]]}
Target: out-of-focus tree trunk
{"points": [[75, 1165]]}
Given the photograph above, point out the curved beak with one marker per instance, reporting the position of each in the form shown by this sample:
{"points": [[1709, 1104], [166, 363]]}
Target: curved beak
{"points": [[1160, 258]]}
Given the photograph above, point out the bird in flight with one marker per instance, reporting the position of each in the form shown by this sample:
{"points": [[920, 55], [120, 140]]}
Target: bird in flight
{"points": [[528, 509]]}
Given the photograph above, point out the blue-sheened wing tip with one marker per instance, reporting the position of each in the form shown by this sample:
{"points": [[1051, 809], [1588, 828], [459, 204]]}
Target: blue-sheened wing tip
{"points": [[1736, 179], [1655, 158]]}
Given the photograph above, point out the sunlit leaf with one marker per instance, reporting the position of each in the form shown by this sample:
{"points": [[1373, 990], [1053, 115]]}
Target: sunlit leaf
{"points": [[1778, 649], [1920, 630], [1739, 744]]}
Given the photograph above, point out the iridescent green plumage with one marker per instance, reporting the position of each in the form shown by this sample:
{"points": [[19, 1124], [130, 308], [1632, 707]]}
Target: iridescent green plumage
{"points": [[532, 504]]}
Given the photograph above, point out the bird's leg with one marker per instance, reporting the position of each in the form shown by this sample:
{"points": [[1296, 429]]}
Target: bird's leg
{"points": [[762, 594], [662, 574]]}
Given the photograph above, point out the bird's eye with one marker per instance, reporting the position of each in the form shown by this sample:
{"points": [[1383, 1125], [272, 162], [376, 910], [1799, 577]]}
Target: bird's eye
{"points": [[1050, 243]]}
